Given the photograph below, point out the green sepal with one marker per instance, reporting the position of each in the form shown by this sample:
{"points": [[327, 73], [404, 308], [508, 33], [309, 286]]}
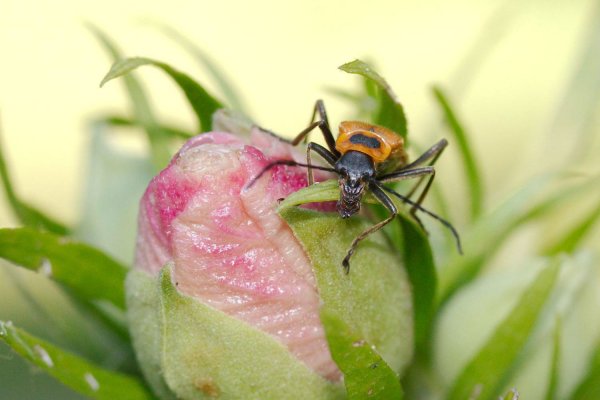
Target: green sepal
{"points": [[194, 351], [374, 299]]}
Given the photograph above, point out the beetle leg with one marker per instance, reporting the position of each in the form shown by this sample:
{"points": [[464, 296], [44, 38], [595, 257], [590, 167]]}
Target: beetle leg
{"points": [[426, 211], [323, 152], [433, 153], [323, 124], [290, 163], [387, 203]]}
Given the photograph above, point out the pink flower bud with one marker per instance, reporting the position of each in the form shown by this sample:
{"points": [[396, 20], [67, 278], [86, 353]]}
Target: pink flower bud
{"points": [[225, 297], [229, 247]]}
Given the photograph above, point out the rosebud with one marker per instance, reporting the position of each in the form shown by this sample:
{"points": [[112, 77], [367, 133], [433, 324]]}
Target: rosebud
{"points": [[235, 310]]}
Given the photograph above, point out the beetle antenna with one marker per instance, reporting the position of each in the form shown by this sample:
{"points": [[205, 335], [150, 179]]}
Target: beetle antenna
{"points": [[431, 214], [290, 163]]}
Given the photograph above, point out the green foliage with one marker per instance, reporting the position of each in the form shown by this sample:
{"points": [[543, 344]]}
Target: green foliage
{"points": [[589, 388], [413, 245], [470, 167], [91, 274], [201, 352], [73, 371], [203, 104], [540, 197], [551, 393], [490, 367], [231, 94], [142, 110], [366, 374], [27, 215], [389, 111], [166, 324], [375, 291]]}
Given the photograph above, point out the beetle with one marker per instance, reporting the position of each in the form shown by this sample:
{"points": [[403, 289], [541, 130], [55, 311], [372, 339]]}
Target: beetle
{"points": [[365, 157]]}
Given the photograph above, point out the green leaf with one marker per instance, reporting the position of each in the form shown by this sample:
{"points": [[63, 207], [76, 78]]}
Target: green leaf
{"points": [[73, 371], [142, 110], [206, 353], [470, 166], [172, 131], [551, 392], [569, 242], [26, 214], [589, 388], [203, 104], [538, 198], [216, 72], [512, 394], [374, 299], [89, 273], [420, 266], [114, 184], [366, 374], [390, 112], [489, 368], [574, 125]]}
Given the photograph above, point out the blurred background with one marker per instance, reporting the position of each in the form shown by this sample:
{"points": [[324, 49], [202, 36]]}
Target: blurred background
{"points": [[518, 73]]}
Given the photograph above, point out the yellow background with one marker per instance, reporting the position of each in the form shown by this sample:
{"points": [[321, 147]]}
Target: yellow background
{"points": [[281, 55]]}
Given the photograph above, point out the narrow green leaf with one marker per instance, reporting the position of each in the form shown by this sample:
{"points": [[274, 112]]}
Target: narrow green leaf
{"points": [[89, 273], [390, 112], [142, 110], [512, 394], [366, 374], [172, 131], [551, 392], [489, 368], [216, 72], [589, 388], [73, 371], [203, 104], [574, 123], [568, 242], [470, 166], [26, 214], [420, 265], [539, 197], [485, 41]]}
